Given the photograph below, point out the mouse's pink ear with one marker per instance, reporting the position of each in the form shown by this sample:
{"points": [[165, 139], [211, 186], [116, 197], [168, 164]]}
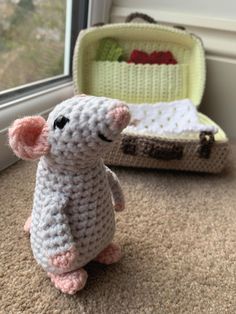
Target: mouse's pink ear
{"points": [[28, 137]]}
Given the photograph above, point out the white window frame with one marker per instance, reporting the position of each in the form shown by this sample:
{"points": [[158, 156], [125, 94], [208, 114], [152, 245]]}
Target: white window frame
{"points": [[42, 102]]}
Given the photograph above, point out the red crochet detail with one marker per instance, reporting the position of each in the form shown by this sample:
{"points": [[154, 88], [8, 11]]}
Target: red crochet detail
{"points": [[138, 56], [156, 57]]}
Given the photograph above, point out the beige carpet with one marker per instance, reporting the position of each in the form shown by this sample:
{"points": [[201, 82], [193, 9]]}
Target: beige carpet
{"points": [[179, 239]]}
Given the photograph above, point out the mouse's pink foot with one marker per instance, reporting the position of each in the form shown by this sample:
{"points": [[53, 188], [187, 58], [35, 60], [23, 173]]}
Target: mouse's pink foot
{"points": [[27, 225], [65, 260], [111, 254], [69, 283]]}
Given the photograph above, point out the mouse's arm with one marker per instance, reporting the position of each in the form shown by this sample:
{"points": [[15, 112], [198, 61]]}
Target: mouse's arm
{"points": [[116, 190], [56, 234]]}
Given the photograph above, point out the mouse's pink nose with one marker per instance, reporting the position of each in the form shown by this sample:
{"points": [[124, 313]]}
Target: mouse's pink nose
{"points": [[120, 117]]}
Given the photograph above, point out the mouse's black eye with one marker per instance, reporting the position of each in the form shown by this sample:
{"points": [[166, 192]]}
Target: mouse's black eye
{"points": [[60, 122]]}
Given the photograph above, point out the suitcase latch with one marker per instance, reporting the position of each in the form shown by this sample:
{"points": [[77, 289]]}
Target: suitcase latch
{"points": [[129, 146], [207, 140]]}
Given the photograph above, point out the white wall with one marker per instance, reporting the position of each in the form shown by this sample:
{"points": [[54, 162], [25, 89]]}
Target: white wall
{"points": [[215, 22]]}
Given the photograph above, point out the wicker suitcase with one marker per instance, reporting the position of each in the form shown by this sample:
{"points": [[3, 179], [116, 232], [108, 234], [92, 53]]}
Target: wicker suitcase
{"points": [[138, 83]]}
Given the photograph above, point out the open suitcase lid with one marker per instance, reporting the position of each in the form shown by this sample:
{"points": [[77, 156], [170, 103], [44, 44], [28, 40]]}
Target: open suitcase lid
{"points": [[141, 83]]}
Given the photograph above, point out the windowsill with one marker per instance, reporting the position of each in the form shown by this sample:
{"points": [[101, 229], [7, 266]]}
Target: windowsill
{"points": [[18, 93]]}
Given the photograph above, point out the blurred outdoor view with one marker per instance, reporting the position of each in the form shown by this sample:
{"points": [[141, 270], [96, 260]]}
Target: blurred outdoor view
{"points": [[32, 40]]}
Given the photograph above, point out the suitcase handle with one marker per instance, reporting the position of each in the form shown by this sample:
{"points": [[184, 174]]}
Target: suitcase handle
{"points": [[143, 16], [140, 15], [147, 18]]}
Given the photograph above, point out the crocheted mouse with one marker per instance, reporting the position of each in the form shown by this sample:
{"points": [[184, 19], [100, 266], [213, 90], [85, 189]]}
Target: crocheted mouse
{"points": [[75, 195]]}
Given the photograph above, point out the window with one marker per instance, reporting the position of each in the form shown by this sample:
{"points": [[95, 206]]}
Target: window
{"points": [[37, 38]]}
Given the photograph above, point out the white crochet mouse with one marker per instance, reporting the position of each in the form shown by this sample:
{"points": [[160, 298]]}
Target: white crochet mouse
{"points": [[75, 195]]}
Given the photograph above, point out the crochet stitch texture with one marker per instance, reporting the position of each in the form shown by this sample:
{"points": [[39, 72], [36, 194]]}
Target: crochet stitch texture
{"points": [[75, 195]]}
